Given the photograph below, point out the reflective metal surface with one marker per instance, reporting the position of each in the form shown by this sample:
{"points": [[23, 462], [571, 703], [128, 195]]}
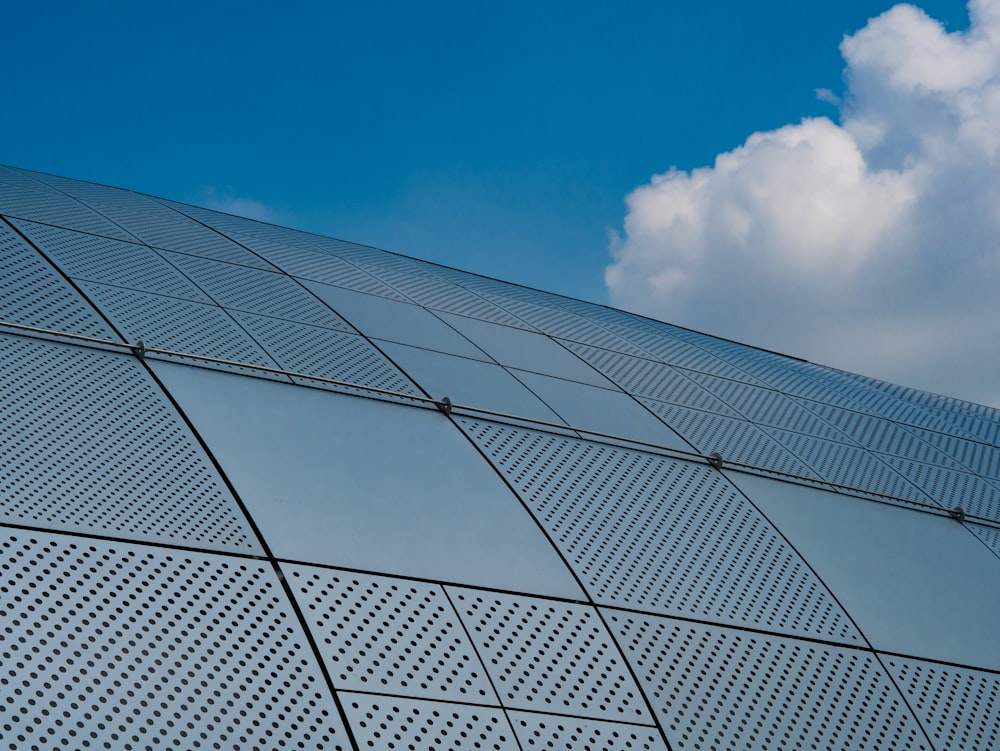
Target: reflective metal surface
{"points": [[717, 688], [132, 647], [366, 484], [202, 554], [914, 583], [91, 444]]}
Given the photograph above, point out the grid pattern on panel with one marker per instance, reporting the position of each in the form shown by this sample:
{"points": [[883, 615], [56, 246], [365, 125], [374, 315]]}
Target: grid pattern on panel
{"points": [[128, 647], [389, 636], [98, 259], [175, 324], [440, 294], [979, 457], [535, 730], [50, 207], [661, 534], [90, 442], [550, 656], [32, 293], [720, 689], [318, 266], [326, 353], [392, 723], [651, 379], [257, 291], [949, 488], [162, 227], [848, 465], [735, 440], [958, 707]]}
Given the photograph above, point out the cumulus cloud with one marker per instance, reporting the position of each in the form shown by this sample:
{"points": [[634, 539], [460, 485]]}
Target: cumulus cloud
{"points": [[871, 243]]}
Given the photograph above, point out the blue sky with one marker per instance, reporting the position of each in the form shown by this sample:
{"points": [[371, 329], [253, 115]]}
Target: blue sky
{"points": [[501, 139]]}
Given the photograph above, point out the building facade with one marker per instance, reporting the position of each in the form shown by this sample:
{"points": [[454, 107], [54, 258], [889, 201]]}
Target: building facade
{"points": [[266, 489]]}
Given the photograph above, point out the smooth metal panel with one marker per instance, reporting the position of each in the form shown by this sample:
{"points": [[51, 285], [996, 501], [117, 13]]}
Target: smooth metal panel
{"points": [[717, 688], [325, 353], [390, 636], [526, 350], [535, 730], [98, 259], [257, 291], [354, 482], [91, 444], [469, 382], [659, 534], [176, 324], [643, 377], [32, 293], [50, 207], [432, 291], [915, 583], [735, 440], [561, 323], [550, 656], [394, 321], [959, 708], [119, 646], [601, 410], [390, 722]]}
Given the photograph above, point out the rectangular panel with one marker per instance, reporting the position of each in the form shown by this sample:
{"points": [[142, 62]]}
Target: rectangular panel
{"points": [[389, 722], [550, 656], [535, 730], [113, 645], [526, 350], [915, 583], [660, 534], [718, 688], [90, 443], [372, 485]]}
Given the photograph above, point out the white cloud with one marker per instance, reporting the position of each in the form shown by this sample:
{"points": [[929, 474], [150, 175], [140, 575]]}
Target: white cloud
{"points": [[872, 244], [224, 200]]}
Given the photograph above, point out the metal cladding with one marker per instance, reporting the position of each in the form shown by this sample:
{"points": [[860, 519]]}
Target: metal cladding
{"points": [[263, 489]]}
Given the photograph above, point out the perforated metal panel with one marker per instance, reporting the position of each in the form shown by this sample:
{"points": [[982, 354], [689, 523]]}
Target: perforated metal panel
{"points": [[128, 647], [848, 465], [662, 535], [50, 207], [390, 636], [717, 688], [257, 291], [91, 443], [318, 266], [32, 293], [432, 291], [958, 707], [950, 488], [989, 535], [178, 325], [648, 378], [325, 353], [392, 723], [550, 656], [535, 730], [736, 440], [974, 455], [98, 259]]}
